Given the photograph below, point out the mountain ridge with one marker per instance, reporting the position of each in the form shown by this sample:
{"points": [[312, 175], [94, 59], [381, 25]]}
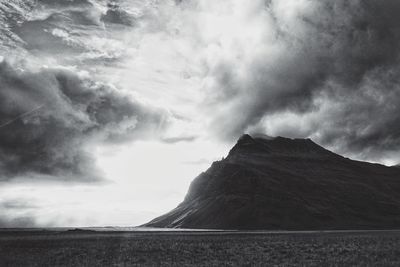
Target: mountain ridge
{"points": [[288, 184]]}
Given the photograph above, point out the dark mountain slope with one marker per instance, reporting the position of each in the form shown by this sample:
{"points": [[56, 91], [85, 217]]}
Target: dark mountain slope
{"points": [[281, 183]]}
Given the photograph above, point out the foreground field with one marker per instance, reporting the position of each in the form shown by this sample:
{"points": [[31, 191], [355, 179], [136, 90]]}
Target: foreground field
{"points": [[81, 248]]}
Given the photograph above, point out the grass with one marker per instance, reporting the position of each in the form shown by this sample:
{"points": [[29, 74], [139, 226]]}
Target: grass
{"points": [[194, 249]]}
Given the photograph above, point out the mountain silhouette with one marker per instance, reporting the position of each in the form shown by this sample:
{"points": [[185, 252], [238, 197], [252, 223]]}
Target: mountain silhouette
{"points": [[293, 184]]}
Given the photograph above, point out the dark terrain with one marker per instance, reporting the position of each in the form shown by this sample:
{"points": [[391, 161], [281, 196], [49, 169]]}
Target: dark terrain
{"points": [[293, 184], [86, 248]]}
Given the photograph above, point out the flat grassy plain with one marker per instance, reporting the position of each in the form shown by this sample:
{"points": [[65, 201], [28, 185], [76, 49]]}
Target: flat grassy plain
{"points": [[115, 248]]}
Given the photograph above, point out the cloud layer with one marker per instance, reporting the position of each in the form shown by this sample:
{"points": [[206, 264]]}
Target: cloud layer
{"points": [[49, 118], [192, 75], [321, 69]]}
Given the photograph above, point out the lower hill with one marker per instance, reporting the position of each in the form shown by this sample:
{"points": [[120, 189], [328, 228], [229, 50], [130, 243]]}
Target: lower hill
{"points": [[293, 184]]}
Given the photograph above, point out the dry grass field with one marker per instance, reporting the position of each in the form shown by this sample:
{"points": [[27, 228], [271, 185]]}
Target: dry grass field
{"points": [[80, 248]]}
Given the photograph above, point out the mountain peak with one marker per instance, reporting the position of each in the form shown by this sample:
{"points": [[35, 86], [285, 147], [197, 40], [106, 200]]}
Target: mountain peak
{"points": [[245, 138], [267, 145], [249, 138]]}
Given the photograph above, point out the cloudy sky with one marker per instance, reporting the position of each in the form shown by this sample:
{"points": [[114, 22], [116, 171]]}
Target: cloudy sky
{"points": [[108, 109]]}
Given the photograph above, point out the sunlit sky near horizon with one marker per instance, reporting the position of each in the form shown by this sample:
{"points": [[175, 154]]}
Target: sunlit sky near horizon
{"points": [[109, 109]]}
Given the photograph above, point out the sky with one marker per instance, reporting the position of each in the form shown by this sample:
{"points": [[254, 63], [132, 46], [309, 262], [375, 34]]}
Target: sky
{"points": [[109, 109]]}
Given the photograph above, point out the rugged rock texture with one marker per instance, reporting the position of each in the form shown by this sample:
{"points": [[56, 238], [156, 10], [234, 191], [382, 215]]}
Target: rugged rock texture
{"points": [[295, 184]]}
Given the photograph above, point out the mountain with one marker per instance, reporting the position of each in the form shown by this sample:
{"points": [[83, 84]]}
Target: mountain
{"points": [[293, 184]]}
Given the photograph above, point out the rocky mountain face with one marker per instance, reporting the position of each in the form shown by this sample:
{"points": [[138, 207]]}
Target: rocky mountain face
{"points": [[293, 184]]}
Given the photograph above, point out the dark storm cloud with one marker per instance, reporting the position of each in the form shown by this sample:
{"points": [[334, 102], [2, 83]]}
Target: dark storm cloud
{"points": [[117, 15], [365, 119], [49, 118], [337, 67]]}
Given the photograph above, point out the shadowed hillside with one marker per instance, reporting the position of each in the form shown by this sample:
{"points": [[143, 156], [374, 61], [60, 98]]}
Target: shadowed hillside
{"points": [[281, 183]]}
